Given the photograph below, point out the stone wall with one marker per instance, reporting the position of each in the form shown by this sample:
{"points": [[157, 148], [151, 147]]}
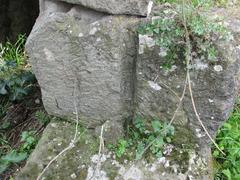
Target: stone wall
{"points": [[93, 48], [87, 55]]}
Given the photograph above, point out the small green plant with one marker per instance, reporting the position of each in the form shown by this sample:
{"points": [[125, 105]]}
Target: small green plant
{"points": [[4, 144], [168, 32], [16, 80], [29, 142], [121, 147], [228, 139], [17, 86], [4, 104], [142, 134], [10, 158], [14, 52], [42, 117], [199, 3]]}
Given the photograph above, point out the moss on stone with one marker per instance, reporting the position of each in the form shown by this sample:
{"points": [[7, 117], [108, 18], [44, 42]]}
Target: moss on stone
{"points": [[56, 137]]}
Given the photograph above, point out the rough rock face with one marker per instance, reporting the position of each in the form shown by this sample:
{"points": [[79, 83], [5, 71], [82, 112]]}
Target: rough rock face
{"points": [[89, 57], [130, 7], [17, 17], [84, 163], [81, 54], [215, 84], [90, 52]]}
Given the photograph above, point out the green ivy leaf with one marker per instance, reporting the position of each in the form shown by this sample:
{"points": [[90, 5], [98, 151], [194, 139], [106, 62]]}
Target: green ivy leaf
{"points": [[216, 153], [227, 173], [14, 157], [157, 126], [3, 90], [3, 166], [140, 150]]}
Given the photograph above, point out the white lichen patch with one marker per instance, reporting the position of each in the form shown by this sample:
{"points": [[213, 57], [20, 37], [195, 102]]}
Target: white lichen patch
{"points": [[173, 68], [80, 35], [154, 18], [141, 49], [49, 55], [161, 160], [201, 66], [168, 149], [141, 170], [94, 171], [54, 125], [167, 71], [96, 174], [154, 86], [133, 173], [197, 164], [73, 176], [218, 68], [167, 164], [96, 23], [98, 158], [199, 133], [93, 31], [98, 39], [163, 52], [210, 100], [145, 40], [149, 8]]}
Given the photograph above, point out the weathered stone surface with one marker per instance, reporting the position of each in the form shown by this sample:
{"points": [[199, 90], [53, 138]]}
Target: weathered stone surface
{"points": [[84, 163], [91, 50], [215, 84], [89, 57], [130, 7], [53, 142]]}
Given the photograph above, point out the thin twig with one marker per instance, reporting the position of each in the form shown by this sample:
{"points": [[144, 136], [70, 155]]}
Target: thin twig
{"points": [[187, 82], [54, 159], [101, 141], [188, 60], [72, 142], [180, 102], [170, 89], [101, 148]]}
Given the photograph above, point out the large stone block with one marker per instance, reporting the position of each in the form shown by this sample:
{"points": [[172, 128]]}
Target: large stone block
{"points": [[130, 7], [215, 84], [90, 57], [83, 162], [90, 50]]}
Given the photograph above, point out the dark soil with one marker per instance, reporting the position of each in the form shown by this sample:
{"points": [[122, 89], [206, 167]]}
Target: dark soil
{"points": [[20, 117]]}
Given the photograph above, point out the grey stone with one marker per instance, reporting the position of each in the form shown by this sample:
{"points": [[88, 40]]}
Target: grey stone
{"points": [[91, 58], [90, 52], [111, 131], [215, 84], [130, 7], [84, 163]]}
